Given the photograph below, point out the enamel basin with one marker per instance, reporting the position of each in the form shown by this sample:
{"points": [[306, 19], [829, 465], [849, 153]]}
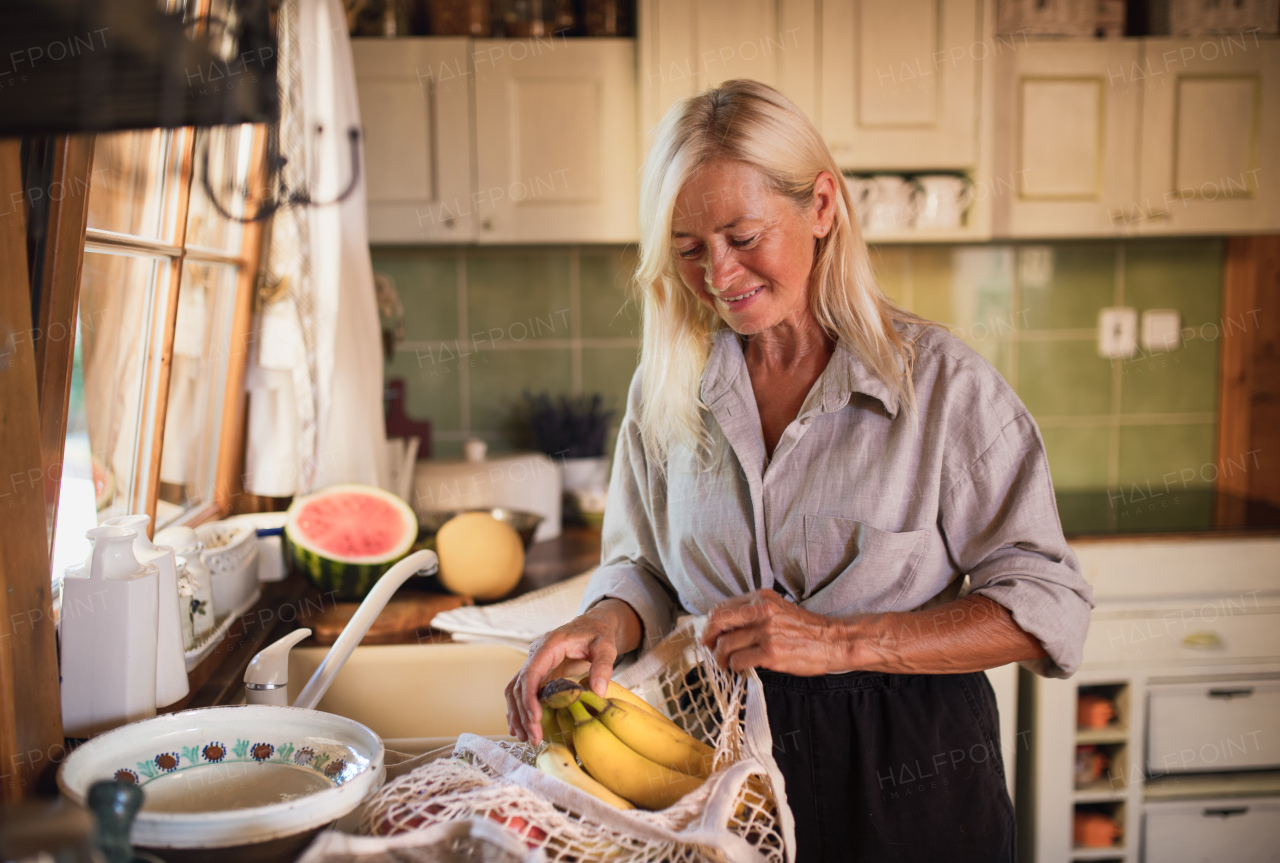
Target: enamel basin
{"points": [[416, 690]]}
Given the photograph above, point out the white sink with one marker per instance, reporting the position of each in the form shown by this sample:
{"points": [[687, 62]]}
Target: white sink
{"points": [[416, 690]]}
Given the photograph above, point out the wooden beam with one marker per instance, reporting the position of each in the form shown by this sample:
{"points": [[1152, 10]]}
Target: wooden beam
{"points": [[231, 441], [30, 707], [1249, 388], [59, 305]]}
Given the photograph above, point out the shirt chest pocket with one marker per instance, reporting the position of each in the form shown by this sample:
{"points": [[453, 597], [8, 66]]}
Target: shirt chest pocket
{"points": [[852, 567]]}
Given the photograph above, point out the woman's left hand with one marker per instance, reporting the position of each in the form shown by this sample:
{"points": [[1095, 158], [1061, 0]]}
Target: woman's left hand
{"points": [[763, 630]]}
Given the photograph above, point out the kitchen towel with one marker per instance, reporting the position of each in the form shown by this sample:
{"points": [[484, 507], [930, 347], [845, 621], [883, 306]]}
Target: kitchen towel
{"points": [[520, 621]]}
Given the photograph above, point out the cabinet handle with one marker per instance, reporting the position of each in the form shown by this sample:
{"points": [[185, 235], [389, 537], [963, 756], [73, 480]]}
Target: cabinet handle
{"points": [[1203, 641], [486, 224], [1226, 812], [1228, 694], [448, 222]]}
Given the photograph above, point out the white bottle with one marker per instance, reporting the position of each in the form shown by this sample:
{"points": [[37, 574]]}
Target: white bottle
{"points": [[171, 665], [109, 624]]}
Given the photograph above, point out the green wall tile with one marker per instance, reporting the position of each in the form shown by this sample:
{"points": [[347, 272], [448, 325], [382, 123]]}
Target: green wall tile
{"points": [[1077, 456], [608, 371], [1065, 378], [931, 288], [500, 377], [427, 282], [516, 295], [1176, 454], [604, 278], [889, 264], [432, 389], [1183, 274], [1180, 381], [1082, 281]]}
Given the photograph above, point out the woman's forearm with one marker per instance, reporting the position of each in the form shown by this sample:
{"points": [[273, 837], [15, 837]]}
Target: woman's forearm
{"points": [[970, 634]]}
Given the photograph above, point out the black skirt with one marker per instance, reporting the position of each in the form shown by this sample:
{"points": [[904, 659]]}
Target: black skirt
{"points": [[892, 768]]}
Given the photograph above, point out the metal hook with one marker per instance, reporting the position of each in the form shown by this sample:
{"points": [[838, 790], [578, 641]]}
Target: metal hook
{"points": [[284, 198]]}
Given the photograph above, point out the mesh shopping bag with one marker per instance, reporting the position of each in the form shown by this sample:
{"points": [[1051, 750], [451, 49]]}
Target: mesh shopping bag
{"points": [[738, 814]]}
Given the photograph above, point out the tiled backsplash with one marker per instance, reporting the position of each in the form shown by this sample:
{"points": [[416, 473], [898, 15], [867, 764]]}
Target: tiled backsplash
{"points": [[484, 324]]}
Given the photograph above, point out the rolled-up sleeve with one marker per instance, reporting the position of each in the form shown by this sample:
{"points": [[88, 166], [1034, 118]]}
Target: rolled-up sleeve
{"points": [[1000, 523], [630, 568]]}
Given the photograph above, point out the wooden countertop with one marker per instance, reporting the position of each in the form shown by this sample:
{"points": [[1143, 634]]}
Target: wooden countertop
{"points": [[293, 603]]}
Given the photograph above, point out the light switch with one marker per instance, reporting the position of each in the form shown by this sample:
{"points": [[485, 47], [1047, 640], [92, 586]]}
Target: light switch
{"points": [[1117, 332], [1161, 330]]}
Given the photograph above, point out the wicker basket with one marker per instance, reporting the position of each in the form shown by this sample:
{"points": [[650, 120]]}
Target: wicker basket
{"points": [[231, 553], [1210, 18]]}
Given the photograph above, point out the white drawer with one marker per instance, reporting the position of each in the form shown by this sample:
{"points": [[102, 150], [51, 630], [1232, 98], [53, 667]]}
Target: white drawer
{"points": [[1241, 830], [1224, 725], [1207, 635]]}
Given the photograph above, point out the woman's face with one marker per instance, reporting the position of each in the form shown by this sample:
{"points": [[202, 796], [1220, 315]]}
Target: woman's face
{"points": [[745, 251]]}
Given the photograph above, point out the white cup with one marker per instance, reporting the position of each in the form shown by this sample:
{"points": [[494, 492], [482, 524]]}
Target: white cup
{"points": [[884, 203], [943, 200]]}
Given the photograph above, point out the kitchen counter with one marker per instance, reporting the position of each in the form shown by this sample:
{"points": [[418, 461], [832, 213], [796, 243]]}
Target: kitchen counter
{"points": [[290, 604]]}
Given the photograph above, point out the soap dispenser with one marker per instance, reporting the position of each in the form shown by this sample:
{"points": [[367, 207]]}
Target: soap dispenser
{"points": [[109, 626], [171, 663]]}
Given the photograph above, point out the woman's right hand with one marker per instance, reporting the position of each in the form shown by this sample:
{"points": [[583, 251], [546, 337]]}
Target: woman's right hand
{"points": [[609, 628]]}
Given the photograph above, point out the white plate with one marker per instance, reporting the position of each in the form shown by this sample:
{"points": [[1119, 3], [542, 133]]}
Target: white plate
{"points": [[297, 770]]}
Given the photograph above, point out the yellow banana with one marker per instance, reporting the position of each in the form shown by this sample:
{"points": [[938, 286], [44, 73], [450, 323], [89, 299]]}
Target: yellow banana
{"points": [[621, 769], [564, 721], [558, 761], [618, 692], [551, 732], [661, 741]]}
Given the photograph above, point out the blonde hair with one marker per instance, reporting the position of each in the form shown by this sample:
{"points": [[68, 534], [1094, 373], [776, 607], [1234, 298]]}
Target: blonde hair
{"points": [[753, 123]]}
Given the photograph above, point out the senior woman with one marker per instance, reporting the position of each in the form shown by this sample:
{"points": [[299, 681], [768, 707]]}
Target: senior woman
{"points": [[818, 471]]}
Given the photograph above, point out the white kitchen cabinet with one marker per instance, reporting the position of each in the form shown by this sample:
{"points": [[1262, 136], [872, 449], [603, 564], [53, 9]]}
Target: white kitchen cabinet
{"points": [[1129, 137], [687, 46], [1066, 139], [556, 142], [415, 108], [1210, 136], [900, 82]]}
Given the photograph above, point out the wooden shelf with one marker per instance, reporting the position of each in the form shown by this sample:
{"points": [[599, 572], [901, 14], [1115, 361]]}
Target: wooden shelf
{"points": [[1097, 736], [1101, 791], [1110, 853]]}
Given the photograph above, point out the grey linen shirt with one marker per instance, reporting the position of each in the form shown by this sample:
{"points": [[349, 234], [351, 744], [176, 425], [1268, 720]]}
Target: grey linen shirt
{"points": [[859, 510]]}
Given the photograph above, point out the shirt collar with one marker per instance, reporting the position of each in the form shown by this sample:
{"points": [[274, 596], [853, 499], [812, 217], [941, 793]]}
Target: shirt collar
{"points": [[844, 375]]}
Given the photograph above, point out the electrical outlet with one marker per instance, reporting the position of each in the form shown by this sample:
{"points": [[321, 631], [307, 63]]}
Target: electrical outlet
{"points": [[1117, 332], [1161, 330]]}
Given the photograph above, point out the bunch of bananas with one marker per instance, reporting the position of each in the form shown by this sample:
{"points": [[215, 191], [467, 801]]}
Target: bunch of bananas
{"points": [[633, 755]]}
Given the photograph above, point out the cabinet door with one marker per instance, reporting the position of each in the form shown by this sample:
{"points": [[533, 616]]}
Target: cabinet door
{"points": [[555, 140], [1066, 139], [1242, 830], [899, 82], [687, 47], [414, 104], [1210, 135]]}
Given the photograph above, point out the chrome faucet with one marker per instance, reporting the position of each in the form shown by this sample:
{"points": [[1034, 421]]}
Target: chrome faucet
{"points": [[266, 680]]}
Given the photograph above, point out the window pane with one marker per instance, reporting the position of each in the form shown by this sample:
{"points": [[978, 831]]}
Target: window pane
{"points": [[117, 294], [228, 150], [197, 388], [133, 189]]}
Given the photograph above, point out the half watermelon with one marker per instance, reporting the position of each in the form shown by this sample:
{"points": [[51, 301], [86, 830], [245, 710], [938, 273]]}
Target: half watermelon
{"points": [[344, 537]]}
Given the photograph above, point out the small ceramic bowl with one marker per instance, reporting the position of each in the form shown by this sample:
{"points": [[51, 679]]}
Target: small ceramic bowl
{"points": [[254, 778]]}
